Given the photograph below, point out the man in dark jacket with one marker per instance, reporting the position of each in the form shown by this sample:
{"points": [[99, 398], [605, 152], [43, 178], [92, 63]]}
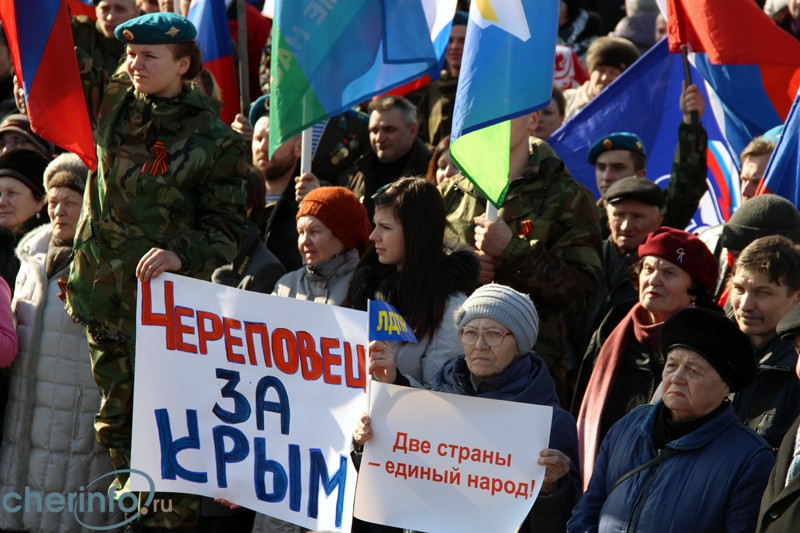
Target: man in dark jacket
{"points": [[396, 150], [633, 208], [764, 288], [277, 225], [780, 506]]}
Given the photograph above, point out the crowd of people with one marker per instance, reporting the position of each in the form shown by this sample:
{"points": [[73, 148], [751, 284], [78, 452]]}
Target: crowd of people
{"points": [[670, 359]]}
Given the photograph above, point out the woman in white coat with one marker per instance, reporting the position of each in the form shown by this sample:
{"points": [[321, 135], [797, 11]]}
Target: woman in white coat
{"points": [[48, 439]]}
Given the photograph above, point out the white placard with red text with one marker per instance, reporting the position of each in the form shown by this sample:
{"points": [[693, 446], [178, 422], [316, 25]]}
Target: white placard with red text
{"points": [[248, 397], [445, 462]]}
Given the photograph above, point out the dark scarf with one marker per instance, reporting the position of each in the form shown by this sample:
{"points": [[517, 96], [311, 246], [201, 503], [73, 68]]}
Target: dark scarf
{"points": [[668, 429], [59, 256], [609, 359]]}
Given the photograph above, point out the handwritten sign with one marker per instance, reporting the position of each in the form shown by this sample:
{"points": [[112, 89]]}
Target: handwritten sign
{"points": [[248, 397], [444, 462]]}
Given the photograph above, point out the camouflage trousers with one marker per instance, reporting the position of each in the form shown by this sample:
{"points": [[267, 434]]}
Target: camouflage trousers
{"points": [[113, 372]]}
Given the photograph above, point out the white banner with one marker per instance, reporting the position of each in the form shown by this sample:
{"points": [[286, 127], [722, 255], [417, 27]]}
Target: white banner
{"points": [[248, 397], [445, 462]]}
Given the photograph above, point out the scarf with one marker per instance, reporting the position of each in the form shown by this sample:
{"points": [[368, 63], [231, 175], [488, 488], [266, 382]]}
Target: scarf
{"points": [[59, 256], [609, 359]]}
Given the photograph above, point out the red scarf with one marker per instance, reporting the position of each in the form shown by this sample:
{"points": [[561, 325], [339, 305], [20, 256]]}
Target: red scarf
{"points": [[602, 380]]}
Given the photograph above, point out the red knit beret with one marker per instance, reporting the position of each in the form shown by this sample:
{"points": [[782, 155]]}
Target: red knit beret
{"points": [[684, 250], [339, 209]]}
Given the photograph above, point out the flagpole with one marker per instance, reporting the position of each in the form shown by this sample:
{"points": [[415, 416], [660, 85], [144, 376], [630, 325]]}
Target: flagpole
{"points": [[491, 212], [368, 387], [305, 153], [244, 78], [687, 76]]}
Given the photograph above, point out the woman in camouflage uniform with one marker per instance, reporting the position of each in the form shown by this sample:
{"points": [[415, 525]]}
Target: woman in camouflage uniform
{"points": [[168, 195]]}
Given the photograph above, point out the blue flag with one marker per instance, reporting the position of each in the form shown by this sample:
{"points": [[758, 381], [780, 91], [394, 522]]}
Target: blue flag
{"points": [[329, 56], [386, 323], [644, 101], [783, 170], [506, 72]]}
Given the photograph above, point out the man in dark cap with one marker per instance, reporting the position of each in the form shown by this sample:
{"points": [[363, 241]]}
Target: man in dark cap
{"points": [[622, 154], [764, 288], [633, 207], [780, 505]]}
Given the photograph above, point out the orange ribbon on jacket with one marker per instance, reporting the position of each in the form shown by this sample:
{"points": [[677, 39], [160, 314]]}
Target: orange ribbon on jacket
{"points": [[159, 165]]}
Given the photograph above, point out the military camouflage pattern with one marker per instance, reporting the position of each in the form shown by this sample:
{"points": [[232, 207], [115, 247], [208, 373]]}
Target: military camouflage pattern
{"points": [[106, 54], [170, 175], [194, 206], [555, 256]]}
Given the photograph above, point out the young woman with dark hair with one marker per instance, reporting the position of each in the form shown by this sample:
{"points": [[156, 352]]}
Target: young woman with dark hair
{"points": [[409, 266]]}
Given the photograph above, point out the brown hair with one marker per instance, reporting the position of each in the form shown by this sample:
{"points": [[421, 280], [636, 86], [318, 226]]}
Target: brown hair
{"points": [[775, 256], [192, 51], [433, 165], [758, 146]]}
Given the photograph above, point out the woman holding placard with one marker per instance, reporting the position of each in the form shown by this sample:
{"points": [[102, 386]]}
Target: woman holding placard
{"points": [[498, 327]]}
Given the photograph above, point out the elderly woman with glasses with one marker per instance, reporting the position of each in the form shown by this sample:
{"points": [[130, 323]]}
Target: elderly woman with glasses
{"points": [[498, 328]]}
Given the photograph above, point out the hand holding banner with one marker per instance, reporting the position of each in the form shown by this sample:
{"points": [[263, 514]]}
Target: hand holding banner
{"points": [[248, 397], [445, 462]]}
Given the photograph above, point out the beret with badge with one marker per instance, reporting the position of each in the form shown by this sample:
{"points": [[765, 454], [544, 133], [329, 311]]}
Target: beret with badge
{"points": [[686, 251], [622, 140], [156, 28]]}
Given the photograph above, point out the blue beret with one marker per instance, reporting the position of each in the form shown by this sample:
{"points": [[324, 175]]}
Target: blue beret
{"points": [[461, 18], [622, 140], [156, 28], [258, 109], [774, 134]]}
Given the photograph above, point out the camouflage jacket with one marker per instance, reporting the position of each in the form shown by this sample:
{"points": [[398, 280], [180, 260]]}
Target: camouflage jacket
{"points": [[554, 255], [106, 54], [170, 175]]}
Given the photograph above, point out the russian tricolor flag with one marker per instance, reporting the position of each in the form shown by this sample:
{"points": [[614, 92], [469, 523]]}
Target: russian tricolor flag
{"points": [[752, 65], [214, 39], [40, 39]]}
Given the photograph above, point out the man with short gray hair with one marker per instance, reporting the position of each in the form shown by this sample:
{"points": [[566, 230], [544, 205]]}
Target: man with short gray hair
{"points": [[396, 150]]}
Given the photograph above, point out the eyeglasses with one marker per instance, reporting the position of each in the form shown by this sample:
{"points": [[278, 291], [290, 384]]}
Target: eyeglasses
{"points": [[492, 337]]}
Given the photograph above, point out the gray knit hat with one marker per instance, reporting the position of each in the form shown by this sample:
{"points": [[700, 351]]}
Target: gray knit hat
{"points": [[512, 309], [761, 216]]}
